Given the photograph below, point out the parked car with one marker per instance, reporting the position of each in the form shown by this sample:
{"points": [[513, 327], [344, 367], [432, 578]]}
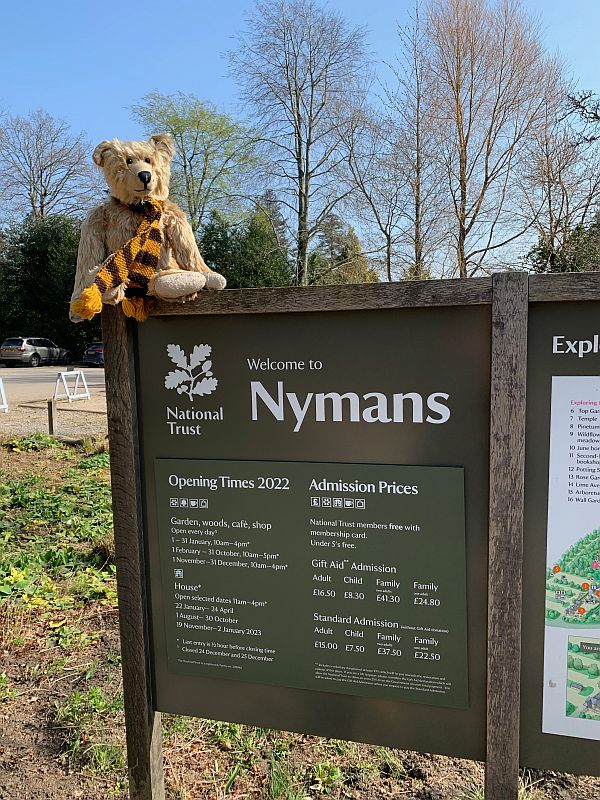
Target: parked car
{"points": [[94, 355], [32, 351]]}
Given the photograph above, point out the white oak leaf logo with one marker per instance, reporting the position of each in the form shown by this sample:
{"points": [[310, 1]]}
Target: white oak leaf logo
{"points": [[206, 386], [177, 355], [185, 379], [199, 353], [176, 378]]}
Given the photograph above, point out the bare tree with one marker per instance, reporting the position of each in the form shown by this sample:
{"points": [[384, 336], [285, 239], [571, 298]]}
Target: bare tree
{"points": [[298, 65], [491, 80], [587, 106], [561, 181], [392, 161], [44, 169], [376, 173], [412, 103]]}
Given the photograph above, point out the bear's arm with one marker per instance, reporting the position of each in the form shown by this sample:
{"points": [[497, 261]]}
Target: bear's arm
{"points": [[92, 251], [180, 237]]}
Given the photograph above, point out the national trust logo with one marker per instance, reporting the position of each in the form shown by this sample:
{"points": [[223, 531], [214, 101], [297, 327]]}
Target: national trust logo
{"points": [[193, 376]]}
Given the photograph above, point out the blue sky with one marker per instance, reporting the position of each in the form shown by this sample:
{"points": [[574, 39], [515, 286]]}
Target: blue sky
{"points": [[87, 62]]}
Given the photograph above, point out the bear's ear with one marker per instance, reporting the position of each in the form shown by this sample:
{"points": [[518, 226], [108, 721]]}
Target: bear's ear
{"points": [[100, 152], [163, 142]]}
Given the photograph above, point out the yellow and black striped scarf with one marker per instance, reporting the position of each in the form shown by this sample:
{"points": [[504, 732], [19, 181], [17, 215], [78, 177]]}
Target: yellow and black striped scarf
{"points": [[136, 262]]}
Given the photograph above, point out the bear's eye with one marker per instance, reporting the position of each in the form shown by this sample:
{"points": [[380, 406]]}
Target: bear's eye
{"points": [[129, 161], [147, 160]]}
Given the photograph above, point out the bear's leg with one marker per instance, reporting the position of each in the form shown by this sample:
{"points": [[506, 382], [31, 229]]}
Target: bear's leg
{"points": [[176, 284]]}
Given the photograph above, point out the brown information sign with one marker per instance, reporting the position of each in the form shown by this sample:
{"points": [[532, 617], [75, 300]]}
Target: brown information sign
{"points": [[347, 444], [364, 512]]}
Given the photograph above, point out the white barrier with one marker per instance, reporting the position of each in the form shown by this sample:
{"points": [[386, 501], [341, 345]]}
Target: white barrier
{"points": [[3, 400], [74, 385]]}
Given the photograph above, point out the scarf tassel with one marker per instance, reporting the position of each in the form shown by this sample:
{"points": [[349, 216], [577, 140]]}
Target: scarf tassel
{"points": [[89, 303], [136, 307]]}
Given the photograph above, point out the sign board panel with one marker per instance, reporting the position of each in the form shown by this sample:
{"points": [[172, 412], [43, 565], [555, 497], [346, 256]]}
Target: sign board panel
{"points": [[395, 398], [561, 610], [372, 559]]}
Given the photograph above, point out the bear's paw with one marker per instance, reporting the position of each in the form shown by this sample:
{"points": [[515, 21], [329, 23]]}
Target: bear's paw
{"points": [[215, 281], [176, 284]]}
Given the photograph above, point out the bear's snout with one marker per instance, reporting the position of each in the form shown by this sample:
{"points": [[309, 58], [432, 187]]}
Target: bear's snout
{"points": [[145, 177]]}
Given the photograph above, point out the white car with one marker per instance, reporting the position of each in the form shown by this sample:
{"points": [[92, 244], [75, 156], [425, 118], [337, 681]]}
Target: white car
{"points": [[32, 351]]}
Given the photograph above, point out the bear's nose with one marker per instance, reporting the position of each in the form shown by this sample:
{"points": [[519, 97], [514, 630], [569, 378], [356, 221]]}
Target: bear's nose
{"points": [[145, 177]]}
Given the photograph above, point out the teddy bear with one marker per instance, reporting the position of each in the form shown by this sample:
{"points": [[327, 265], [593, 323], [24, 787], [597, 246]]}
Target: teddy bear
{"points": [[137, 245]]}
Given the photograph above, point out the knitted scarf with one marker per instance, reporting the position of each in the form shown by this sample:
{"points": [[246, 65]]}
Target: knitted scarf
{"points": [[135, 263]]}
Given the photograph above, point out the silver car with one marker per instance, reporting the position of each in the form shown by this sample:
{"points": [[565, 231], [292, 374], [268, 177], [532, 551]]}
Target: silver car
{"points": [[32, 351]]}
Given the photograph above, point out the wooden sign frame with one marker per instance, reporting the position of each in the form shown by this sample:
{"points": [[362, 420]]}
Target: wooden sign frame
{"points": [[509, 295]]}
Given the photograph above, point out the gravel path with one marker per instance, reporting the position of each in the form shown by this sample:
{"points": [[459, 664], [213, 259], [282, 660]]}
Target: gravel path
{"points": [[80, 418]]}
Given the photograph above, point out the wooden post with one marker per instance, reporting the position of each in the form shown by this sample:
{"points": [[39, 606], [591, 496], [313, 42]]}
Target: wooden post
{"points": [[51, 417], [507, 477], [143, 729]]}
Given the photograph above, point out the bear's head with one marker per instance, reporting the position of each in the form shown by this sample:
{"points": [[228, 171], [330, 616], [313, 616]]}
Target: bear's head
{"points": [[136, 171]]}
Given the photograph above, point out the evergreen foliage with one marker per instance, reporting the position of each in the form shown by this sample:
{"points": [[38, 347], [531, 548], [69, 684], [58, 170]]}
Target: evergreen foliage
{"points": [[248, 254], [37, 266], [339, 257], [580, 251]]}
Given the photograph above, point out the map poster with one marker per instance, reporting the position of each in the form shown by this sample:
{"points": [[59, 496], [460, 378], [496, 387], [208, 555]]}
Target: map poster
{"points": [[571, 704]]}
